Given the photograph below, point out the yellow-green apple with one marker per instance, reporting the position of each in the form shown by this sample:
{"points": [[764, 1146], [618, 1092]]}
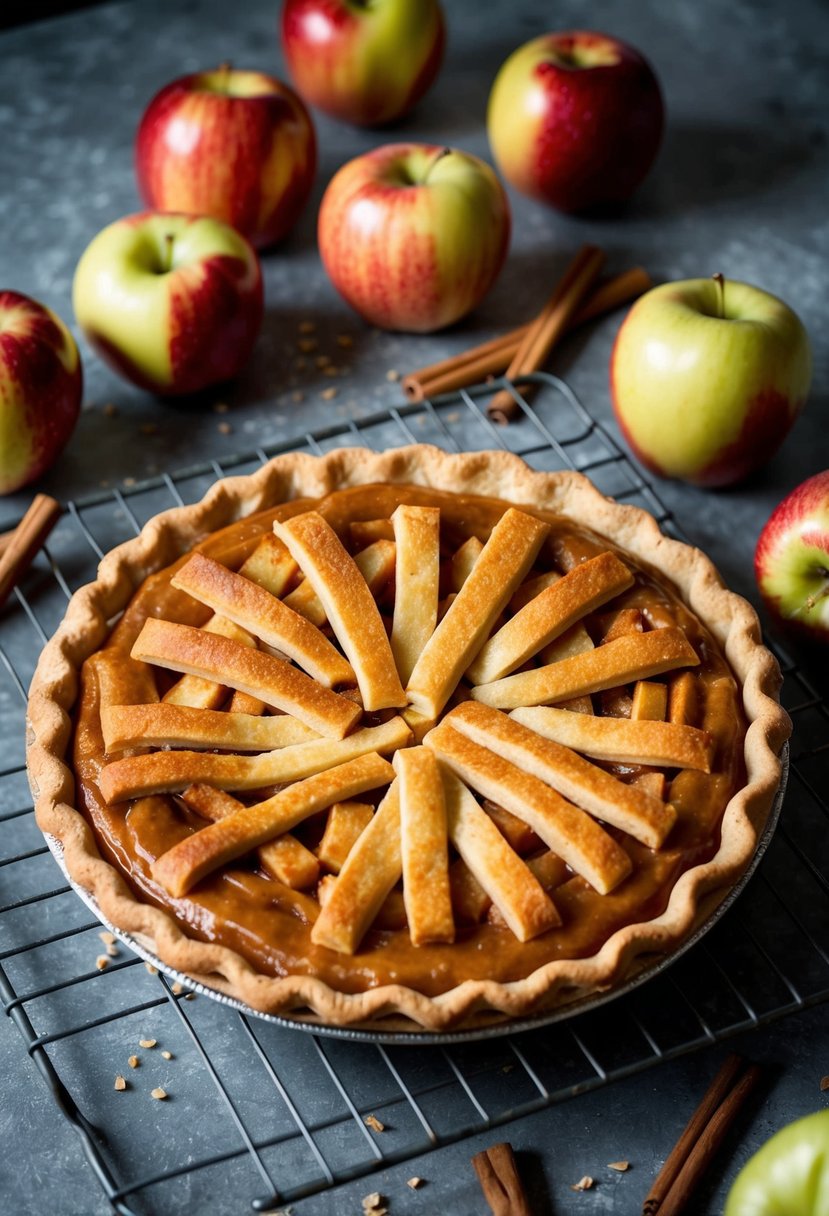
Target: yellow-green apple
{"points": [[364, 61], [707, 377], [789, 1175], [575, 119], [173, 302], [791, 562], [239, 146], [40, 389], [413, 235]]}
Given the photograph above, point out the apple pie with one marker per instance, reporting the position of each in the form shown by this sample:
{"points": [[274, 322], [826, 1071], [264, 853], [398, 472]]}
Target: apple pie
{"points": [[409, 736]]}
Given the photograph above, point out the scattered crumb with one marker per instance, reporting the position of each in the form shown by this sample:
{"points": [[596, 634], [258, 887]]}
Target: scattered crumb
{"points": [[414, 1183], [168, 1055], [176, 988], [149, 428], [147, 1042], [224, 428], [159, 1094], [101, 962], [133, 1061], [110, 410], [619, 1166], [322, 360], [152, 970], [120, 1083], [374, 1123], [824, 1084], [328, 394], [129, 481], [112, 950], [453, 417], [106, 937], [583, 1185], [221, 407], [307, 345], [374, 1203], [298, 396], [189, 996], [345, 341], [307, 327], [392, 374]]}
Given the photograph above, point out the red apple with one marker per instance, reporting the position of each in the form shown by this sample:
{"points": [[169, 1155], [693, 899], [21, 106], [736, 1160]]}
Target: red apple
{"points": [[575, 119], [707, 377], [413, 235], [365, 61], [173, 302], [791, 562], [40, 389], [239, 146]]}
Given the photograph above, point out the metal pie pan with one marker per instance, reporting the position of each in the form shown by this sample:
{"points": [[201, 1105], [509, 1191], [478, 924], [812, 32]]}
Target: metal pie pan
{"points": [[492, 1030]]}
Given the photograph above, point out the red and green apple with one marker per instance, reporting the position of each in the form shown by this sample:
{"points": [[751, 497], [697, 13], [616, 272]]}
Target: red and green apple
{"points": [[414, 235], [575, 119], [707, 377], [791, 561], [172, 302], [41, 384], [364, 61], [238, 146]]}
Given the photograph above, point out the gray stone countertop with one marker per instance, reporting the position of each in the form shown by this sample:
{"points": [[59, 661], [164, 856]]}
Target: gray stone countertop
{"points": [[739, 187]]}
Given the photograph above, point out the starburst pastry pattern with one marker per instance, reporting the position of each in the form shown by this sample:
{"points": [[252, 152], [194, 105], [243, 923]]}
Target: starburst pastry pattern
{"points": [[327, 707], [407, 734]]}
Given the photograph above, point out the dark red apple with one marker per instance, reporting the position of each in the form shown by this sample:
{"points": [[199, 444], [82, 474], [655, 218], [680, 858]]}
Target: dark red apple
{"points": [[791, 562]]}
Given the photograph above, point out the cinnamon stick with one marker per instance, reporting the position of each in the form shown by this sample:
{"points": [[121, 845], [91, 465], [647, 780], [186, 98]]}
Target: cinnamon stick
{"points": [[701, 1138], [500, 1181], [548, 326], [493, 357], [26, 542]]}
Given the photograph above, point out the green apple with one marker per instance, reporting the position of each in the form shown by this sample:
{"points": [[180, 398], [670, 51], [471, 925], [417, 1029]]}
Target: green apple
{"points": [[707, 377], [173, 302], [789, 1175]]}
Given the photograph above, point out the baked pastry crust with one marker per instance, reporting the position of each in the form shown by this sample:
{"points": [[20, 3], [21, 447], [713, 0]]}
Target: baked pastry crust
{"points": [[167, 537]]}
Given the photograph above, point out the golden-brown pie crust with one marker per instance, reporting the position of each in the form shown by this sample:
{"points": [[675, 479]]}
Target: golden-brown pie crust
{"points": [[165, 538]]}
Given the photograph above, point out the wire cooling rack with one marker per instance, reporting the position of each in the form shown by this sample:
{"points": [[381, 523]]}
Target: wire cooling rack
{"points": [[268, 1115]]}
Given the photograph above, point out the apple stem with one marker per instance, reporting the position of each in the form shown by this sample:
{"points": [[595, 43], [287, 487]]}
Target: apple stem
{"points": [[438, 156], [169, 238], [814, 600], [223, 73], [720, 281]]}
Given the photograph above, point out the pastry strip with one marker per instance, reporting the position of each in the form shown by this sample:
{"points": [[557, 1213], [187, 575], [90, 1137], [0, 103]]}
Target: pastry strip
{"points": [[622, 740], [620, 662], [181, 726], [255, 609], [168, 772], [423, 847], [650, 701], [349, 606], [200, 854], [270, 565], [505, 559], [568, 831], [375, 563], [286, 858], [197, 692], [416, 575], [633, 810], [463, 561], [366, 531], [343, 825], [508, 882], [244, 703], [196, 652], [533, 587], [372, 868], [551, 613]]}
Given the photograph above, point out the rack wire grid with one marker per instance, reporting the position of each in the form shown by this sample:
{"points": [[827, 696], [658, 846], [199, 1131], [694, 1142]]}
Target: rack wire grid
{"points": [[282, 1113]]}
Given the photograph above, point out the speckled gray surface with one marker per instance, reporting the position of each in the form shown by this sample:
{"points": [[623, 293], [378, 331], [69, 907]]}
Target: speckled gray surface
{"points": [[740, 186]]}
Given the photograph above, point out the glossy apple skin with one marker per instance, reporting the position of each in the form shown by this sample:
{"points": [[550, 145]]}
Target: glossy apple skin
{"points": [[789, 1175], [366, 64], [413, 239], [41, 384], [575, 119], [703, 397], [791, 561], [172, 302], [238, 146]]}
